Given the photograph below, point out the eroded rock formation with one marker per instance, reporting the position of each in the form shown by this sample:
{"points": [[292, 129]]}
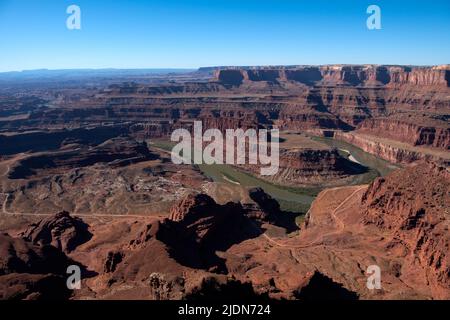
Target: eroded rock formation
{"points": [[30, 272], [416, 215], [339, 74], [412, 131], [61, 231]]}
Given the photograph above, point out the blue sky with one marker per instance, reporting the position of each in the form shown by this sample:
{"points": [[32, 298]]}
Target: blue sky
{"points": [[190, 33]]}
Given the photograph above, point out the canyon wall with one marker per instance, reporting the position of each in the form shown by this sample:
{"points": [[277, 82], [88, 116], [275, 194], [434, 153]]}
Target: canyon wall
{"points": [[408, 131], [402, 103], [354, 75], [412, 205], [386, 151]]}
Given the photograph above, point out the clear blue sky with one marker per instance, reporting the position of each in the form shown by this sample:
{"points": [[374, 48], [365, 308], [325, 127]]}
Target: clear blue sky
{"points": [[194, 33]]}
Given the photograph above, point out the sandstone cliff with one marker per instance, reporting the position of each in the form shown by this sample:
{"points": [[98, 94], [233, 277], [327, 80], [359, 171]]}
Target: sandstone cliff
{"points": [[390, 150], [399, 223], [354, 75], [413, 206], [409, 130]]}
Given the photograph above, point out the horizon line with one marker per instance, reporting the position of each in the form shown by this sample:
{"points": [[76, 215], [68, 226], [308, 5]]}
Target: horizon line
{"points": [[217, 66]]}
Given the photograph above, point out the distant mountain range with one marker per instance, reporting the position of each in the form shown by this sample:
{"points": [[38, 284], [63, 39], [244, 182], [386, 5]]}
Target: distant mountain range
{"points": [[83, 73]]}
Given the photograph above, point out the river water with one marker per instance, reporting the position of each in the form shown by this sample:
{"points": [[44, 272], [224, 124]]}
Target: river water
{"points": [[299, 199], [381, 166]]}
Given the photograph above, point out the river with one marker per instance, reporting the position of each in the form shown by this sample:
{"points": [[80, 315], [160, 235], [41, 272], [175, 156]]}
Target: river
{"points": [[299, 199], [382, 167]]}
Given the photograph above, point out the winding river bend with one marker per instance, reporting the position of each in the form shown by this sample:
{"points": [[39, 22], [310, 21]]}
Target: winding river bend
{"points": [[382, 167], [299, 199], [291, 199]]}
